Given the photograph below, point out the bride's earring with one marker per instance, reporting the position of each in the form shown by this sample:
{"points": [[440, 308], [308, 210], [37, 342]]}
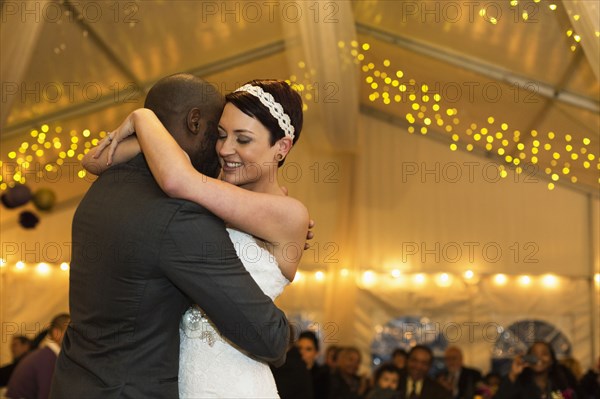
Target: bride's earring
{"points": [[279, 157]]}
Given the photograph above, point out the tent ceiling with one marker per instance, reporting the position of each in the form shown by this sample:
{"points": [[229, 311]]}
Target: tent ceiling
{"points": [[103, 63], [523, 47]]}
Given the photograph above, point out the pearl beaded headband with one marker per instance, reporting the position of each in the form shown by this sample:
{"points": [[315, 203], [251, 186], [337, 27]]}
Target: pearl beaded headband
{"points": [[274, 107]]}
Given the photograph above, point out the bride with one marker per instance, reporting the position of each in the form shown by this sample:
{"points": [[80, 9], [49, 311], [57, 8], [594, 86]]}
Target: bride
{"points": [[260, 123]]}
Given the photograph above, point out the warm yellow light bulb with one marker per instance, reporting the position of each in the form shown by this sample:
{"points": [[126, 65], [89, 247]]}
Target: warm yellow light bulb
{"points": [[525, 280], [500, 279], [43, 268], [550, 281], [369, 278], [444, 280]]}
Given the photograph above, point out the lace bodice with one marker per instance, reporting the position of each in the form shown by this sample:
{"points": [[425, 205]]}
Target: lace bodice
{"points": [[209, 366]]}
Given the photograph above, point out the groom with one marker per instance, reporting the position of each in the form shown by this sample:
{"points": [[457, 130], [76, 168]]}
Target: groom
{"points": [[140, 257]]}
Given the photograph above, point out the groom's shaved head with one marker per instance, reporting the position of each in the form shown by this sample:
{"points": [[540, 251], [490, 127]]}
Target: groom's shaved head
{"points": [[171, 99], [189, 108]]}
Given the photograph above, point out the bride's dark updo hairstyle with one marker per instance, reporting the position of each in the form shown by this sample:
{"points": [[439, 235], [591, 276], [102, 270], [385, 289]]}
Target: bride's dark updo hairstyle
{"points": [[289, 99]]}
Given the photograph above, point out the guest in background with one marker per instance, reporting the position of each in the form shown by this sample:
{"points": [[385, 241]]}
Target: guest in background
{"points": [[590, 383], [492, 380], [490, 385], [33, 375], [293, 378], [542, 378], [459, 380], [414, 382], [20, 345], [399, 357], [573, 368], [308, 345], [331, 358], [386, 379], [345, 381]]}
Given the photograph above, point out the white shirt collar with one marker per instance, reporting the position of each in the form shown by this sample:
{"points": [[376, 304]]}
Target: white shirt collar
{"points": [[49, 343]]}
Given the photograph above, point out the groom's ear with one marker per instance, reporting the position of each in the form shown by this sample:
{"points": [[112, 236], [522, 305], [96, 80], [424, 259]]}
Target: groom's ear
{"points": [[195, 124]]}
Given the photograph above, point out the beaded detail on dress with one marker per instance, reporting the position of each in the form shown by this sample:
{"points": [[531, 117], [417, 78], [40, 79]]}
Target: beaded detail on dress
{"points": [[209, 365]]}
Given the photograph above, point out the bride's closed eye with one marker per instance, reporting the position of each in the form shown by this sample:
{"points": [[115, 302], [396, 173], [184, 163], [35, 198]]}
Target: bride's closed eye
{"points": [[243, 139]]}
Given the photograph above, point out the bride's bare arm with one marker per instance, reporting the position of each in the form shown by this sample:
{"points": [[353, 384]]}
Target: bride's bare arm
{"points": [[280, 220], [126, 150]]}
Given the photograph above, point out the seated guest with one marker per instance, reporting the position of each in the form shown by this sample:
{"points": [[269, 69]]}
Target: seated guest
{"points": [[414, 382], [386, 383], [33, 375], [459, 380], [590, 383], [538, 378], [573, 368], [345, 382], [308, 345], [293, 379], [399, 356], [490, 384], [19, 347], [331, 358]]}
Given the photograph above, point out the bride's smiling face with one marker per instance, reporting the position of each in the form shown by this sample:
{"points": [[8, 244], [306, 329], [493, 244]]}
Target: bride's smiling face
{"points": [[244, 148]]}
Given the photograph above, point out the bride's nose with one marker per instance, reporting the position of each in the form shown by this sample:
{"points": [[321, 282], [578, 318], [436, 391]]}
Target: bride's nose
{"points": [[225, 147]]}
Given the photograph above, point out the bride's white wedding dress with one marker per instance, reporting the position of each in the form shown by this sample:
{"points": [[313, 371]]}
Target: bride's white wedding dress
{"points": [[211, 367]]}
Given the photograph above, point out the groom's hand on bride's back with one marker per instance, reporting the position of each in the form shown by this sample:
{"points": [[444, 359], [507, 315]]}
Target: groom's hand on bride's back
{"points": [[309, 234]]}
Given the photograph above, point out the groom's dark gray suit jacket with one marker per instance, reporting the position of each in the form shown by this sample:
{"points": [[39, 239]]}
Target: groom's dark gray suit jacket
{"points": [[138, 259]]}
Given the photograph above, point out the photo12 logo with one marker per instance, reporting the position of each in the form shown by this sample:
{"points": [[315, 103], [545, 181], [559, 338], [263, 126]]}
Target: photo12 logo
{"points": [[465, 172], [469, 252], [88, 12], [442, 11], [469, 331], [70, 92], [268, 11]]}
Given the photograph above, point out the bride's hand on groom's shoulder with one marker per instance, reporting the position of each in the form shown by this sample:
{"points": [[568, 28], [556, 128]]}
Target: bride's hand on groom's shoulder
{"points": [[112, 139]]}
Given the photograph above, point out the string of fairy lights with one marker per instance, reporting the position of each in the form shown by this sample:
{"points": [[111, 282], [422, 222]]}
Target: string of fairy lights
{"points": [[53, 147], [367, 278]]}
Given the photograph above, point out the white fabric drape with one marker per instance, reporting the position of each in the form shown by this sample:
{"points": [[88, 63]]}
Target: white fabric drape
{"points": [[585, 18], [313, 36], [18, 37]]}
